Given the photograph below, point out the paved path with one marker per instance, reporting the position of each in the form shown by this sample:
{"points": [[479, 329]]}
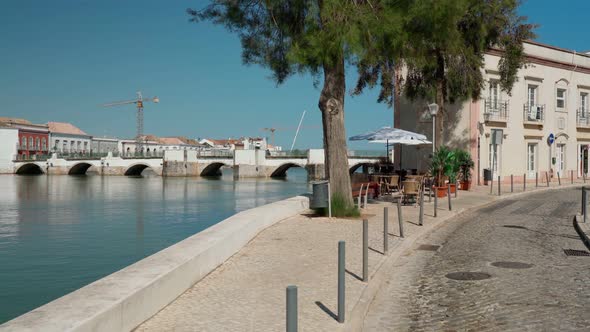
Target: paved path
{"points": [[550, 294]]}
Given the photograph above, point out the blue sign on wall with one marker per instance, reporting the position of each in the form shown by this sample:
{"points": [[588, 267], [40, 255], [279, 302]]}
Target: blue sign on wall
{"points": [[551, 139]]}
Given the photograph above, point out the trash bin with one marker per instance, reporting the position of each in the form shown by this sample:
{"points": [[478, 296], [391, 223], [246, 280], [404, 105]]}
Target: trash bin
{"points": [[319, 198], [487, 176]]}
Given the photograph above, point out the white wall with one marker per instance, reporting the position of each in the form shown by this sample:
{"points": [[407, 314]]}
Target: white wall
{"points": [[8, 150]]}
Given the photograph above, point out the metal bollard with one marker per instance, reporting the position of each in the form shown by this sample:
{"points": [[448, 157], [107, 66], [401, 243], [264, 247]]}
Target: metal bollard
{"points": [[421, 216], [341, 285], [456, 189], [449, 197], [536, 179], [430, 194], [524, 182], [511, 183], [491, 185], [291, 308], [385, 230], [558, 179], [547, 178], [572, 176], [499, 191], [400, 218], [584, 176], [584, 203], [435, 201], [365, 250]]}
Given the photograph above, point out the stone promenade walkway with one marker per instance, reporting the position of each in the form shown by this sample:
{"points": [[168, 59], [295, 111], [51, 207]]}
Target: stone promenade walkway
{"points": [[247, 292]]}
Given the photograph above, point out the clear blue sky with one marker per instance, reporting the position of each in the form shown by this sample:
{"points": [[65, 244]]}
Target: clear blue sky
{"points": [[60, 60]]}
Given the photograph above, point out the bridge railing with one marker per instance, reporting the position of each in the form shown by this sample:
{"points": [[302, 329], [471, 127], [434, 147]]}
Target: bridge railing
{"points": [[287, 154], [143, 155], [215, 154], [367, 153], [35, 157]]}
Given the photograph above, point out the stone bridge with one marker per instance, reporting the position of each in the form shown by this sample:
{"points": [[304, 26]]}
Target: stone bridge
{"points": [[245, 164]]}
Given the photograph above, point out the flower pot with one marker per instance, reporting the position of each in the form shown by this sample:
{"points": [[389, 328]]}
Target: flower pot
{"points": [[453, 187], [464, 185], [441, 191]]}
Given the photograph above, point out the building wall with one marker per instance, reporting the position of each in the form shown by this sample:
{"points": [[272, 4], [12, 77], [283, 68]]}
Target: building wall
{"points": [[99, 145], [31, 142], [8, 149], [67, 143], [468, 127]]}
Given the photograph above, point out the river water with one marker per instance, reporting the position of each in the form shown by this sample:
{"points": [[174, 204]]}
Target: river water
{"points": [[59, 233]]}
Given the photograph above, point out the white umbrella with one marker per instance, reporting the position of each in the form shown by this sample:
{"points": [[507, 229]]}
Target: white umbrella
{"points": [[390, 135]]}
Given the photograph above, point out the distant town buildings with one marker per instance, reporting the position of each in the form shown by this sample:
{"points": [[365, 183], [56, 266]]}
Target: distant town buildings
{"points": [[21, 139]]}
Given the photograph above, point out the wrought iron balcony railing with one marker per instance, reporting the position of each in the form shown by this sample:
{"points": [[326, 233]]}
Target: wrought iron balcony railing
{"points": [[583, 118], [533, 113], [495, 110]]}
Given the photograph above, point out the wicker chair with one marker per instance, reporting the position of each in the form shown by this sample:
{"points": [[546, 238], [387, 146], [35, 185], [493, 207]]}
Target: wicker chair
{"points": [[391, 183], [411, 189]]}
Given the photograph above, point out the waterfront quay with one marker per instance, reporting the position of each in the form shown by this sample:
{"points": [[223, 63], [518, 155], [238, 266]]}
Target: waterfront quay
{"points": [[233, 276]]}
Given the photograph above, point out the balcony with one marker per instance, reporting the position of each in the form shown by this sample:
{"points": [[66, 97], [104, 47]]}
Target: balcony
{"points": [[583, 118], [495, 110], [533, 114]]}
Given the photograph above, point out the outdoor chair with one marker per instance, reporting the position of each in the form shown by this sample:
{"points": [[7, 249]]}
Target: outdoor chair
{"points": [[391, 183], [411, 190]]}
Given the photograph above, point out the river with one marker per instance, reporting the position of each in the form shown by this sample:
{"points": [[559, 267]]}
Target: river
{"points": [[59, 233]]}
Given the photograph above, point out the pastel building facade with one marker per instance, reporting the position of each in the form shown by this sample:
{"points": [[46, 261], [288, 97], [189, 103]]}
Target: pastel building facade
{"points": [[541, 128], [69, 139]]}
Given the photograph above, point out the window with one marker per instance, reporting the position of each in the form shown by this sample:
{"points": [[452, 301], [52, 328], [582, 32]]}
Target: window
{"points": [[44, 144], [494, 95], [561, 123], [38, 145], [584, 103], [560, 102], [532, 95], [531, 158], [31, 143], [23, 143]]}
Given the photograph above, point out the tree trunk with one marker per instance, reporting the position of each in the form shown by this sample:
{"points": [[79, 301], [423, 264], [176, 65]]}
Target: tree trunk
{"points": [[331, 105]]}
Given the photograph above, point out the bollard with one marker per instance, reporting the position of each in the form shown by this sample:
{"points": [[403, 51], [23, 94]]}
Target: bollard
{"points": [[449, 197], [536, 179], [400, 218], [291, 308], [456, 189], [547, 178], [365, 250], [341, 286], [385, 230], [572, 176], [524, 182], [584, 202], [499, 192], [430, 194], [511, 183], [584, 176], [558, 179], [421, 217], [491, 185], [435, 202]]}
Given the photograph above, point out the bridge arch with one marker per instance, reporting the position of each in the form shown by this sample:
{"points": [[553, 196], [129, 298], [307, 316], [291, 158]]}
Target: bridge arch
{"points": [[136, 169], [79, 169], [353, 168], [213, 169], [281, 171], [29, 169]]}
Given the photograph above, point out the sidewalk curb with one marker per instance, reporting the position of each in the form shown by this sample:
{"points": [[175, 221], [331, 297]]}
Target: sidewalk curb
{"points": [[583, 235], [378, 278]]}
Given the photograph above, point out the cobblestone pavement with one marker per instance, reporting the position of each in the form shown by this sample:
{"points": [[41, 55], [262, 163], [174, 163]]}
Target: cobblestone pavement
{"points": [[553, 294]]}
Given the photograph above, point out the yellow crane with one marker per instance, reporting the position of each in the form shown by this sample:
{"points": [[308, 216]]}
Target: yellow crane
{"points": [[139, 105]]}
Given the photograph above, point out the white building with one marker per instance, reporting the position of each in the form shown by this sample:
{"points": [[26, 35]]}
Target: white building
{"points": [[67, 138], [102, 145], [542, 127], [156, 146], [8, 148]]}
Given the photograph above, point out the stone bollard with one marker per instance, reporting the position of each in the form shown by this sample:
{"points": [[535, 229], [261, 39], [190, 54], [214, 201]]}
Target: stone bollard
{"points": [[365, 250], [511, 183], [291, 308], [449, 197], [547, 178], [536, 179], [524, 182], [421, 215], [572, 176], [492, 185], [499, 191], [435, 202], [400, 218], [385, 230], [558, 179], [584, 203], [341, 285]]}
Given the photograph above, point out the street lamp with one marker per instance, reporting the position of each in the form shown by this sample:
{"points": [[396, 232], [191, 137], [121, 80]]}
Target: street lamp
{"points": [[433, 109]]}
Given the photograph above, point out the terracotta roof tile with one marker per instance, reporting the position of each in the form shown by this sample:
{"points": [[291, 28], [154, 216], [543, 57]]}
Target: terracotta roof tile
{"points": [[65, 128]]}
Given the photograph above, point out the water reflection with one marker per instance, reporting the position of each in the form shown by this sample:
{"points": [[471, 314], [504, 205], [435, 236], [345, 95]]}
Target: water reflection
{"points": [[58, 233]]}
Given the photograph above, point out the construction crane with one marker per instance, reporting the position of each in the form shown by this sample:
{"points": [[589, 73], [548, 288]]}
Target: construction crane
{"points": [[139, 105], [272, 130]]}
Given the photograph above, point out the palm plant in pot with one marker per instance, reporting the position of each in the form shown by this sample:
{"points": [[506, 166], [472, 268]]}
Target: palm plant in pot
{"points": [[441, 166], [465, 165]]}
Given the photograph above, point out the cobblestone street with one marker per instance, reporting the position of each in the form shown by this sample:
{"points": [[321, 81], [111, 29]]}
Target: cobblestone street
{"points": [[550, 291]]}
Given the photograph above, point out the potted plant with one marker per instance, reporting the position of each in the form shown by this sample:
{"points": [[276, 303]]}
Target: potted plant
{"points": [[465, 165], [440, 167]]}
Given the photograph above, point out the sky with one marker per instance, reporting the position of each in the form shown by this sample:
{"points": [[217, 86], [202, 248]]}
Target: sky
{"points": [[61, 60]]}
